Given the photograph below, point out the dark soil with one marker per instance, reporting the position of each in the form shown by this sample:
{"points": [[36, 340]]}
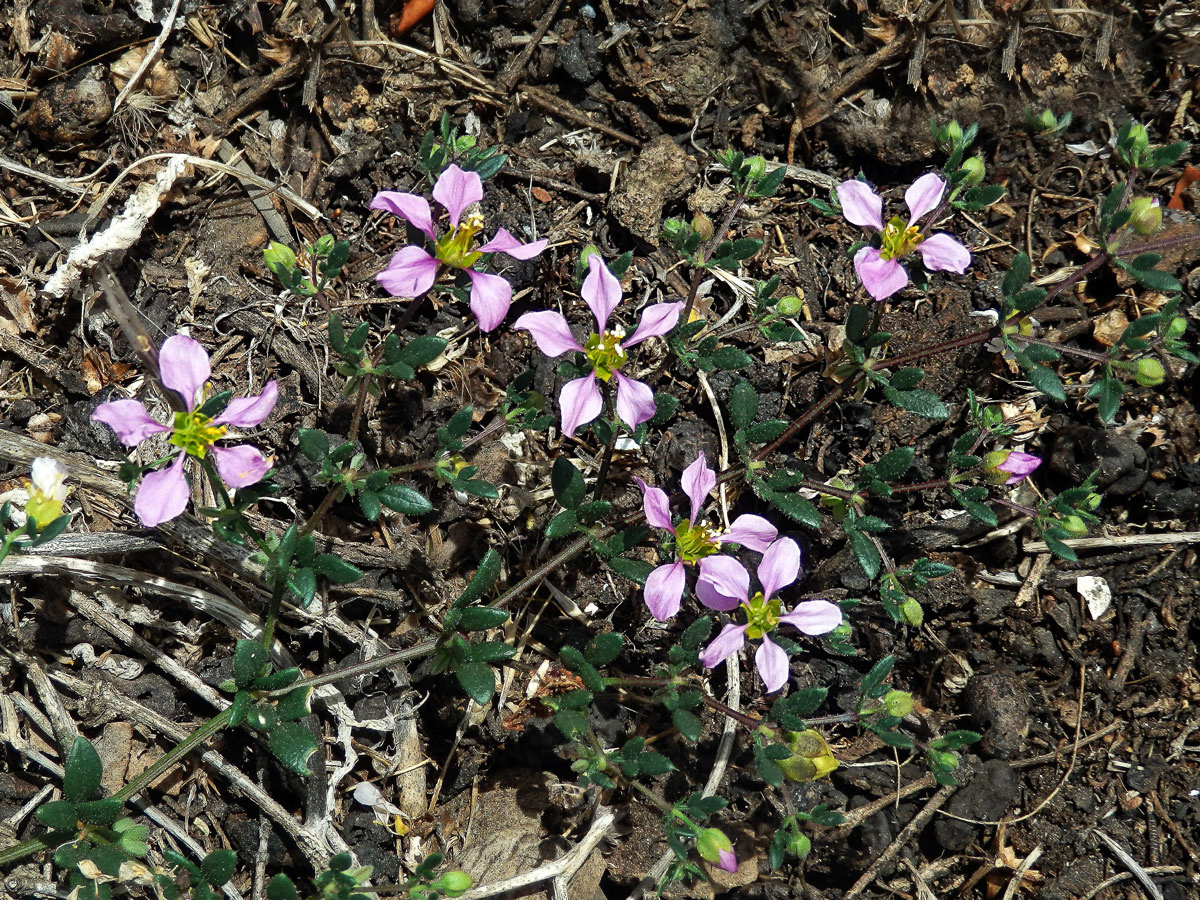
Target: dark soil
{"points": [[1089, 722]]}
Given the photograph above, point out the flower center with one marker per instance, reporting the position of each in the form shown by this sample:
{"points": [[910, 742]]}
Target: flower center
{"points": [[762, 615], [898, 239], [457, 248], [194, 433], [694, 542], [605, 353]]}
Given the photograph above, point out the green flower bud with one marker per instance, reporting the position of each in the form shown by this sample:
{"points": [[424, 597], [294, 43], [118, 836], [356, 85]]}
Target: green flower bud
{"points": [[950, 135], [943, 759], [992, 474], [911, 612], [703, 226], [799, 845], [1150, 372], [1075, 525], [1043, 121], [1139, 139], [278, 254], [811, 757], [789, 306], [975, 168], [898, 703], [454, 883], [758, 167], [1177, 327], [714, 846], [1145, 215]]}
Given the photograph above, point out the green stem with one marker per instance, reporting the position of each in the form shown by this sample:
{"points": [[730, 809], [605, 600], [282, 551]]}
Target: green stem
{"points": [[609, 448], [168, 760], [47, 841]]}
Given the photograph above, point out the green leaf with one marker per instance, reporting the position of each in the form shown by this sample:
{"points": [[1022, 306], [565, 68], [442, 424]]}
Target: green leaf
{"points": [[281, 888], [1017, 274], [1046, 381], [696, 633], [979, 511], [764, 431], [422, 351], [654, 764], [239, 707], [489, 651], [688, 724], [292, 745], [303, 583], [81, 775], [730, 358], [907, 379], [636, 570], [1163, 156], [870, 524], [99, 812], [218, 867], [276, 680], [895, 739], [590, 513], [295, 704], [485, 576], [405, 500], [743, 404], [58, 814], [460, 422], [872, 682], [895, 464], [478, 680], [1157, 279], [481, 618], [567, 483], [336, 569], [796, 508], [562, 524], [262, 717], [477, 487], [368, 502], [571, 722], [865, 552], [923, 403], [603, 648]]}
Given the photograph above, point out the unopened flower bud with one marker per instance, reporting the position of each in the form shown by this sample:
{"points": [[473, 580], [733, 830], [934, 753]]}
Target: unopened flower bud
{"points": [[455, 883], [46, 490], [911, 612], [758, 167], [789, 306], [1008, 466], [1145, 215], [714, 846], [975, 169], [1150, 372], [1139, 139], [951, 135], [943, 759], [703, 226], [799, 845], [1075, 525], [1177, 327], [1043, 121], [898, 703]]}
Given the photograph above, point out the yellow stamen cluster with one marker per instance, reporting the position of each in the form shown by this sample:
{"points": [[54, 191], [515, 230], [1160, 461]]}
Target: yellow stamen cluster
{"points": [[194, 433], [898, 240], [762, 615], [457, 248], [694, 542], [605, 353]]}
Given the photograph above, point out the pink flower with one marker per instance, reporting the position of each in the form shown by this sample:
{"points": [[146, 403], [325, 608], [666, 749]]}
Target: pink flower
{"points": [[580, 399], [779, 567], [413, 270], [696, 543], [1013, 463], [879, 267], [184, 368]]}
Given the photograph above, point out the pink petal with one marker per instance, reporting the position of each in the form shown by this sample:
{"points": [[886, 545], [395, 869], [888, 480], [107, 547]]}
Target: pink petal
{"points": [[942, 253], [697, 480], [724, 645], [772, 664], [924, 194], [881, 277], [664, 590], [241, 465], [183, 367], [162, 495], [491, 297], [656, 320], [601, 290], [635, 401], [779, 566], [456, 190], [246, 412], [129, 419], [412, 209], [550, 332], [504, 242], [580, 402], [411, 273], [656, 505], [724, 583], [860, 205], [750, 531], [727, 861], [814, 617], [1019, 465]]}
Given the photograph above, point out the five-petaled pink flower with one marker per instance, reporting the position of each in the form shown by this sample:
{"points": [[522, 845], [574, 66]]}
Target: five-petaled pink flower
{"points": [[606, 351], [1011, 463], [779, 567], [879, 267], [413, 270], [184, 368], [695, 543]]}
